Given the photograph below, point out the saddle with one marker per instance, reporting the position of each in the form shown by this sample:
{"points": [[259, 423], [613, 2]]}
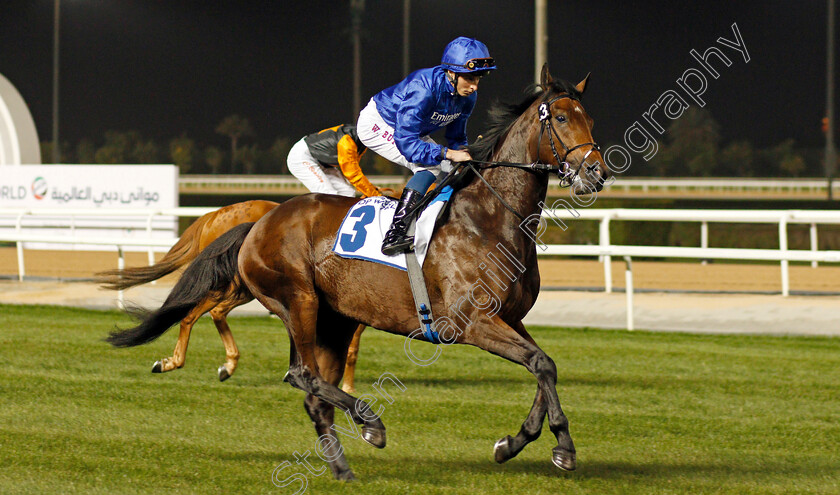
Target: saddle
{"points": [[363, 228]]}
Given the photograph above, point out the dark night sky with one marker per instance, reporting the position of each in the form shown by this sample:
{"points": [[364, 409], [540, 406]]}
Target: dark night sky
{"points": [[168, 67]]}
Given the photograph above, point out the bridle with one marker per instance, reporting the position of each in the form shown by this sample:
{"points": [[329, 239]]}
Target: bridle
{"points": [[563, 168], [565, 173]]}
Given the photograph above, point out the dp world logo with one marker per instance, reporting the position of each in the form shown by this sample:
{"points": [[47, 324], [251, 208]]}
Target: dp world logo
{"points": [[39, 188]]}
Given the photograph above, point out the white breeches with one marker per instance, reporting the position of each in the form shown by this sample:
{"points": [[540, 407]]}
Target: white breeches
{"points": [[316, 178]]}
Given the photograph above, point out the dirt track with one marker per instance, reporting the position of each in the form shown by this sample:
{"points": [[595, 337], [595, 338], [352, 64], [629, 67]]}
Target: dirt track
{"points": [[555, 273]]}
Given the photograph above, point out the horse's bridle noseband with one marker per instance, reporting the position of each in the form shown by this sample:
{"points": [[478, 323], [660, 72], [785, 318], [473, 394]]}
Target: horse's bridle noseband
{"points": [[565, 173]]}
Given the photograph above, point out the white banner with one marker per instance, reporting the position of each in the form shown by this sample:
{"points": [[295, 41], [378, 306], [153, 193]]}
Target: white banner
{"points": [[89, 186], [104, 187]]}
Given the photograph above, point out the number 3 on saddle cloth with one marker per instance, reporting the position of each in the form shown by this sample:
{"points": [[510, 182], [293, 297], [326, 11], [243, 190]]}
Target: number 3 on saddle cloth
{"points": [[363, 229]]}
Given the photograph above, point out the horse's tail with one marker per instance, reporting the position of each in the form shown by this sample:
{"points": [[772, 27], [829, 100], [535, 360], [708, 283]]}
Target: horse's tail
{"points": [[214, 270], [184, 251]]}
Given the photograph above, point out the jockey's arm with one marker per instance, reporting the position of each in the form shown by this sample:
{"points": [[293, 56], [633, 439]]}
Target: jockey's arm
{"points": [[411, 115], [348, 162], [456, 131], [456, 136]]}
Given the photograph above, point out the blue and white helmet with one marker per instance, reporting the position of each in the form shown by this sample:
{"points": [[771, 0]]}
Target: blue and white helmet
{"points": [[466, 55]]}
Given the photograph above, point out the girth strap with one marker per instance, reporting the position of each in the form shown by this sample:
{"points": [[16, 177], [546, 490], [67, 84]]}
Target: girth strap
{"points": [[418, 290]]}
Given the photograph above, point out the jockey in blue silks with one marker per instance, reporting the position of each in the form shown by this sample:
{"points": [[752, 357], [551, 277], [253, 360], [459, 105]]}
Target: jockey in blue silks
{"points": [[397, 121]]}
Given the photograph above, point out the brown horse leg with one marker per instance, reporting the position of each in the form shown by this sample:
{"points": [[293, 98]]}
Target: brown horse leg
{"points": [[219, 315], [352, 356], [508, 447], [179, 355], [330, 365], [301, 318], [517, 346], [322, 414]]}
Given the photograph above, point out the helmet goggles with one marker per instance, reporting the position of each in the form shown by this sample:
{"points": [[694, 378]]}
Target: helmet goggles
{"points": [[476, 64]]}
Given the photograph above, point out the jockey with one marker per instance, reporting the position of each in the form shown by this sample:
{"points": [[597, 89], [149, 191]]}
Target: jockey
{"points": [[397, 121], [328, 162]]}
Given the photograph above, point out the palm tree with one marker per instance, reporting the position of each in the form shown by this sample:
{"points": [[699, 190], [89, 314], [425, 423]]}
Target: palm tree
{"points": [[214, 157], [278, 153], [234, 126], [694, 140]]}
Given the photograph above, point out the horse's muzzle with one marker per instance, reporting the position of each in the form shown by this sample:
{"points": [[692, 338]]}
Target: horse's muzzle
{"points": [[589, 180]]}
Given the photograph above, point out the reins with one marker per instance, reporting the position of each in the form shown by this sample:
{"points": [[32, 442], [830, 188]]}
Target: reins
{"points": [[509, 207], [564, 170]]}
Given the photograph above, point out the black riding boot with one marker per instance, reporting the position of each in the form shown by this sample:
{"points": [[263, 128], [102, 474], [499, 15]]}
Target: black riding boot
{"points": [[395, 240]]}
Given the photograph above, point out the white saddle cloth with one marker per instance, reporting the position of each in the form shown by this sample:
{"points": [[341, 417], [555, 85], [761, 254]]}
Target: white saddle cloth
{"points": [[363, 229]]}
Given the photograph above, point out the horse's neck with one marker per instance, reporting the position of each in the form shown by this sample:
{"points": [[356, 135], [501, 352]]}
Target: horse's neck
{"points": [[520, 189]]}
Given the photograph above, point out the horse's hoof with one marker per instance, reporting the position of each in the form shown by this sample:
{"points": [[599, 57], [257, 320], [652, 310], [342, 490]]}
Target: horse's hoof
{"points": [[346, 476], [158, 367], [350, 389], [501, 451], [374, 436], [223, 373], [563, 459]]}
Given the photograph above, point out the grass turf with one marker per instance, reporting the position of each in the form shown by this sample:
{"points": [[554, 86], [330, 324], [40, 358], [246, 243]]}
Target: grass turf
{"points": [[649, 412]]}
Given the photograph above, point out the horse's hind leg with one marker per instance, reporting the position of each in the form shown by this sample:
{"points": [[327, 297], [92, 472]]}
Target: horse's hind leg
{"points": [[322, 414], [330, 365], [349, 385], [302, 323], [219, 315], [179, 355]]}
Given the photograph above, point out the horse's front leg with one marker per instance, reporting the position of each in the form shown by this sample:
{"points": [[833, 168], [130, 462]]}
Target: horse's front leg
{"points": [[508, 447], [545, 370], [517, 346]]}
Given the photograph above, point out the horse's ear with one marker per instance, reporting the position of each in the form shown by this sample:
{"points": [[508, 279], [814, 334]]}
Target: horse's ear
{"points": [[545, 77], [581, 86]]}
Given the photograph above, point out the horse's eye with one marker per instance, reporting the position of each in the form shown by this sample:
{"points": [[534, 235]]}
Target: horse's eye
{"points": [[561, 118]]}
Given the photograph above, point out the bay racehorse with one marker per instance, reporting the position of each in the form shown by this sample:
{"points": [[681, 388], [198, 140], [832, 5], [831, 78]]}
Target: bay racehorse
{"points": [[219, 304], [286, 261]]}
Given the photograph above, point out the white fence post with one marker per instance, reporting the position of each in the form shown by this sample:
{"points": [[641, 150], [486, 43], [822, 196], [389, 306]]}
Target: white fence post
{"points": [[628, 282], [783, 246], [19, 245], [121, 266], [814, 243], [149, 234], [604, 241]]}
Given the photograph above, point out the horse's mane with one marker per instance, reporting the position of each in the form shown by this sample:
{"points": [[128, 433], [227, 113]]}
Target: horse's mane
{"points": [[501, 116]]}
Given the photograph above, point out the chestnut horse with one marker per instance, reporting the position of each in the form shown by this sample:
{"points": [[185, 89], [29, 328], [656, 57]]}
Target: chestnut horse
{"points": [[286, 261], [198, 236]]}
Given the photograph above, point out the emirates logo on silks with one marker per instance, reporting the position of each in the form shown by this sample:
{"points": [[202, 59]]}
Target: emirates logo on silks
{"points": [[39, 188]]}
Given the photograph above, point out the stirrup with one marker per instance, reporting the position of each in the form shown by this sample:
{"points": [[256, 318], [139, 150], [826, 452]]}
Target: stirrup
{"points": [[397, 246]]}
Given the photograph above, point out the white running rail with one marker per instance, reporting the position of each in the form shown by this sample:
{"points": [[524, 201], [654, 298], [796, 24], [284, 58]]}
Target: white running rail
{"points": [[604, 250], [782, 218]]}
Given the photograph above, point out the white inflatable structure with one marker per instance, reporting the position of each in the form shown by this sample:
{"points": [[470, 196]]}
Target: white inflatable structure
{"points": [[18, 138]]}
